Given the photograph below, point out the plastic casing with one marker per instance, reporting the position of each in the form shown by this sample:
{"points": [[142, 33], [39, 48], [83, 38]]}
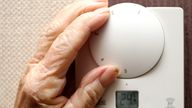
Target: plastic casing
{"points": [[162, 83]]}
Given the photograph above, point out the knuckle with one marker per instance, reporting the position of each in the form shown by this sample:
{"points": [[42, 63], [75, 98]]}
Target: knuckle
{"points": [[87, 16], [85, 20], [65, 43], [82, 6], [49, 89], [94, 91], [52, 29], [42, 88], [91, 96], [30, 88], [71, 37]]}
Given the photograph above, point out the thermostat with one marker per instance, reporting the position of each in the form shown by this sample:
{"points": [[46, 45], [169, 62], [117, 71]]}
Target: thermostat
{"points": [[146, 43]]}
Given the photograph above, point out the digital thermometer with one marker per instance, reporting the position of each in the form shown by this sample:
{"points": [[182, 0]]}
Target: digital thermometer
{"points": [[147, 45]]}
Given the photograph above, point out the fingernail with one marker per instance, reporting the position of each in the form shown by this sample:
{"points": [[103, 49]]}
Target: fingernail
{"points": [[102, 10], [109, 75]]}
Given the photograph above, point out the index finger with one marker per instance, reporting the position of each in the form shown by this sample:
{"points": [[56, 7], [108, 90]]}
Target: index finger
{"points": [[65, 47], [61, 21]]}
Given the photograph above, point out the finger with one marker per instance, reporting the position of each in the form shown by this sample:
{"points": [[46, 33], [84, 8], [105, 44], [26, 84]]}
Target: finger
{"points": [[88, 95], [61, 21], [94, 74], [65, 47]]}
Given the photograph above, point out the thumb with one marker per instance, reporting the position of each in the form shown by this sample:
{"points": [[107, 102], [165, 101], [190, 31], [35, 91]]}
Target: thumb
{"points": [[92, 87]]}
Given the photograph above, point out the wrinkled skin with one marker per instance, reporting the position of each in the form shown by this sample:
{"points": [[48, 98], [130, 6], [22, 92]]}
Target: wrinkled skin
{"points": [[43, 82]]}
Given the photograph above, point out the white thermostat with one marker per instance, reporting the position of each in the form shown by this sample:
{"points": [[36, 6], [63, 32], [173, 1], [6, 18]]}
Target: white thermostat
{"points": [[146, 43]]}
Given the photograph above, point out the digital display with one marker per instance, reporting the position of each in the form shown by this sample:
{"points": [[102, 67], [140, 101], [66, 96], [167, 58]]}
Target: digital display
{"points": [[127, 99]]}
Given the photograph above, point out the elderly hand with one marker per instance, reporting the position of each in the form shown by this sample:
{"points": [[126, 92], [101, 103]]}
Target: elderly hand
{"points": [[45, 78]]}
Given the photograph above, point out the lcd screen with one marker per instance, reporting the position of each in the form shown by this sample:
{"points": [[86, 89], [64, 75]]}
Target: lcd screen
{"points": [[127, 99]]}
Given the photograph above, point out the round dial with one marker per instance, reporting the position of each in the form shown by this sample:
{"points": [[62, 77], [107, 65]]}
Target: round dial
{"points": [[132, 39]]}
